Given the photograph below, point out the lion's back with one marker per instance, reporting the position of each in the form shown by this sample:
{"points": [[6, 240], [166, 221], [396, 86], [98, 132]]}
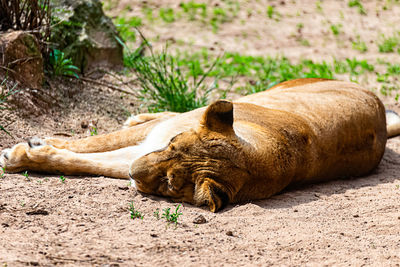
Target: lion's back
{"points": [[349, 122]]}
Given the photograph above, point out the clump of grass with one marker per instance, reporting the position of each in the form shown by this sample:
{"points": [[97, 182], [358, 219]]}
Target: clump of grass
{"points": [[389, 78], [393, 69], [172, 217], [218, 17], [135, 214], [387, 90], [357, 67], [270, 11], [125, 26], [388, 44], [266, 72], [62, 66], [148, 13], [359, 5], [335, 28], [167, 14], [194, 10], [26, 175], [304, 42], [3, 172], [359, 45], [299, 27], [318, 6], [93, 131], [165, 85], [156, 213]]}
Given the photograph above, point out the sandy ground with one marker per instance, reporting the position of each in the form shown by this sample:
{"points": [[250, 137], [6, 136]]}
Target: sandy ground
{"points": [[85, 220]]}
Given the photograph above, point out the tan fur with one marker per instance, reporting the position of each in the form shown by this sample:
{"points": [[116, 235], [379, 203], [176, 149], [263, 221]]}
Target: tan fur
{"points": [[299, 131]]}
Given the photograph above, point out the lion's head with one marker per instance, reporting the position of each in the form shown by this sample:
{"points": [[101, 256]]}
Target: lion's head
{"points": [[199, 166]]}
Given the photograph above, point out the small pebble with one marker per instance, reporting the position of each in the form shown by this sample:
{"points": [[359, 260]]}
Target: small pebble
{"points": [[200, 220], [229, 233]]}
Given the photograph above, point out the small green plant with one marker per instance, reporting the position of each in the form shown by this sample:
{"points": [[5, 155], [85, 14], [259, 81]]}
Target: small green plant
{"points": [[192, 9], [62, 66], [359, 45], [357, 67], [270, 11], [148, 13], [304, 42], [3, 172], [219, 16], [388, 44], [93, 131], [26, 175], [62, 179], [167, 15], [359, 5], [335, 28], [387, 90], [318, 6], [135, 214], [157, 213], [299, 26], [382, 78], [171, 217]]}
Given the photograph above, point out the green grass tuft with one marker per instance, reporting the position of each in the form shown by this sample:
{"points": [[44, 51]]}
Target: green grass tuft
{"points": [[171, 217], [388, 44], [359, 45], [166, 85], [335, 28], [359, 5], [125, 26], [135, 214]]}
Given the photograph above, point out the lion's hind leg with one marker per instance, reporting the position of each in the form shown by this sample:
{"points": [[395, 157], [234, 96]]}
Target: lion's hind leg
{"points": [[145, 117]]}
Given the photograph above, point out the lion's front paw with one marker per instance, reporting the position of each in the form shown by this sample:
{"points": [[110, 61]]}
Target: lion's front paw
{"points": [[4, 156], [13, 159], [19, 158]]}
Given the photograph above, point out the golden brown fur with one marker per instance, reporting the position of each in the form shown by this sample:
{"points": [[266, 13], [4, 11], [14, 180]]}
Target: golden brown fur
{"points": [[299, 131]]}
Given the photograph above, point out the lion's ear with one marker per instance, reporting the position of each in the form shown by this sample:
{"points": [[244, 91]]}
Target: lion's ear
{"points": [[211, 193], [219, 116]]}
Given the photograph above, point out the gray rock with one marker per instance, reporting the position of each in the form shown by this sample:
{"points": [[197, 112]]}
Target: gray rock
{"points": [[85, 34]]}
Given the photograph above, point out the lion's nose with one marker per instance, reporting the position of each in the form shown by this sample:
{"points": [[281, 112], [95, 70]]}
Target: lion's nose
{"points": [[139, 170]]}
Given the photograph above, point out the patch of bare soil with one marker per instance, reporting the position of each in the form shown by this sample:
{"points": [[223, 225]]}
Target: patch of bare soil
{"points": [[84, 221]]}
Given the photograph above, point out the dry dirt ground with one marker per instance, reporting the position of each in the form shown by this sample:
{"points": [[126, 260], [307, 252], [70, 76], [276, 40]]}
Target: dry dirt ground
{"points": [[85, 220]]}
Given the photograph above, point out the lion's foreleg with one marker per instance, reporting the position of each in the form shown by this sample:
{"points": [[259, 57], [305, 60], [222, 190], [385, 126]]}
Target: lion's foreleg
{"points": [[39, 156]]}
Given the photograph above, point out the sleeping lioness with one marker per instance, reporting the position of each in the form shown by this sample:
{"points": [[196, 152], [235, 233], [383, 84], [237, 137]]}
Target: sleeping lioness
{"points": [[300, 131]]}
